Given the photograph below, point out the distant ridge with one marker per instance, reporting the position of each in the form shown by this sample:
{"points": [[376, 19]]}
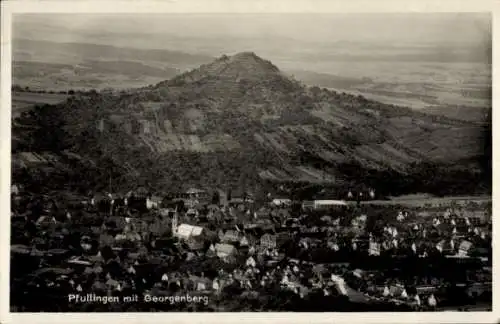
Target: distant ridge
{"points": [[96, 51]]}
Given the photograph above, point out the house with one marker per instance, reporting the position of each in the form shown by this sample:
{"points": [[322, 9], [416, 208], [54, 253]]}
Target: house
{"points": [[14, 190], [374, 249], [167, 212], [272, 241], [250, 262], [324, 204], [192, 212], [309, 204], [362, 218], [318, 204], [196, 194], [446, 246], [244, 241], [296, 287], [220, 234], [396, 290], [251, 238], [153, 202], [240, 195], [225, 251], [138, 203], [186, 232], [426, 289], [237, 202], [138, 224], [133, 237], [476, 218], [343, 289], [339, 284], [201, 284], [79, 261], [464, 248], [231, 236], [139, 192], [119, 223], [281, 214], [159, 226], [358, 273], [477, 289], [211, 251], [191, 203], [223, 201], [281, 202], [194, 236], [263, 212], [423, 214]]}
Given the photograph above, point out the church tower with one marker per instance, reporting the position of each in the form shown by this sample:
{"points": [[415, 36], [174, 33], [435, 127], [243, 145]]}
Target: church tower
{"points": [[175, 222]]}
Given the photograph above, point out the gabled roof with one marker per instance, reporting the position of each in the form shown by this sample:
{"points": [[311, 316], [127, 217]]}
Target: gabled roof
{"points": [[14, 189], [196, 231], [251, 260], [187, 231], [465, 246], [231, 235], [224, 248], [244, 241]]}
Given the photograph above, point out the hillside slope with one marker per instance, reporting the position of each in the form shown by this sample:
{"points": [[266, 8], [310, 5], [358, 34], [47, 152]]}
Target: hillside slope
{"points": [[239, 121]]}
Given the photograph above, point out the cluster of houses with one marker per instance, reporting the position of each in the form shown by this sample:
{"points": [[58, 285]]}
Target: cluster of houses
{"points": [[191, 242]]}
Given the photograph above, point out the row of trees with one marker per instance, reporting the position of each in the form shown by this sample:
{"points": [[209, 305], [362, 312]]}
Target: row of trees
{"points": [[18, 88]]}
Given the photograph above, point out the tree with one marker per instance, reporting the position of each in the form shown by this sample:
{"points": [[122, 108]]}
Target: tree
{"points": [[16, 87]]}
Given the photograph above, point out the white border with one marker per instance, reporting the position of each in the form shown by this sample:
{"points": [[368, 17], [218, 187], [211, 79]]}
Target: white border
{"points": [[220, 6]]}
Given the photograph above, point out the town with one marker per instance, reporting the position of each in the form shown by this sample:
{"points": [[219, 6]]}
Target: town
{"points": [[238, 252]]}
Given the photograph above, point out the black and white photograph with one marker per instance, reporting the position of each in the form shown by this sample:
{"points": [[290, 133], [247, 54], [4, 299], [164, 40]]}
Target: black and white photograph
{"points": [[250, 162]]}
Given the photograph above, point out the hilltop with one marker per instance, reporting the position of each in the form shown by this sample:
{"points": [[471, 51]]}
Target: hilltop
{"points": [[239, 121]]}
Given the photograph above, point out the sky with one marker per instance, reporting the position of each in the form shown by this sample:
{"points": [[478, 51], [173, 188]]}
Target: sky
{"points": [[447, 48], [321, 43], [164, 30]]}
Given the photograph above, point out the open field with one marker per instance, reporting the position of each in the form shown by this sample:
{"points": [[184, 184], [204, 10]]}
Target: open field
{"points": [[459, 87], [87, 74]]}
